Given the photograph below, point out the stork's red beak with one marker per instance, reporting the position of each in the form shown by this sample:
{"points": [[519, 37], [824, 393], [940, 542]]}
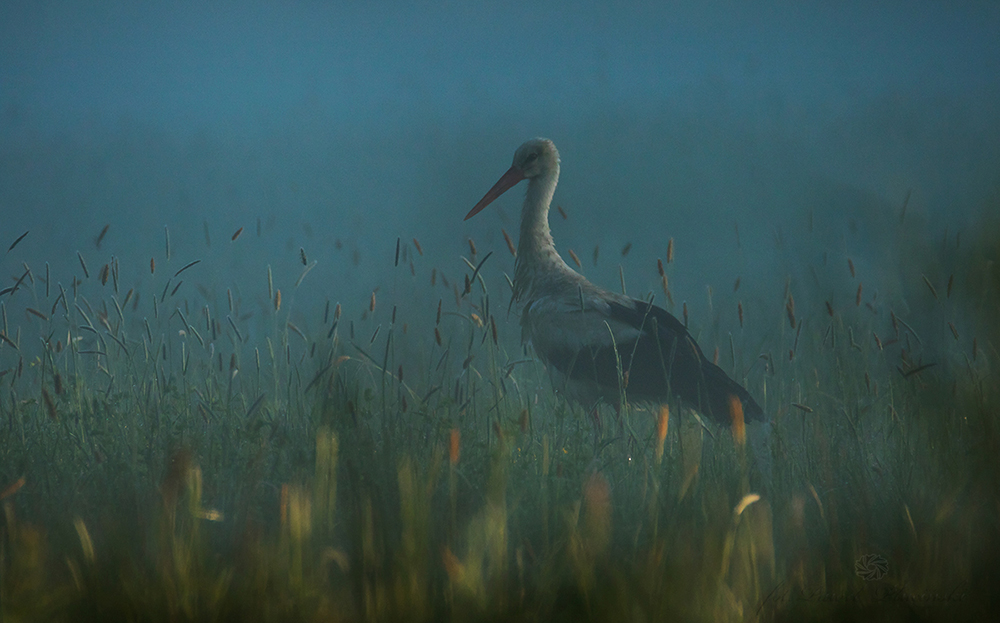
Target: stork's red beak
{"points": [[508, 180]]}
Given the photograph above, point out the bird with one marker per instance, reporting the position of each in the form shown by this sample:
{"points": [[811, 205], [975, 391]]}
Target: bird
{"points": [[601, 346]]}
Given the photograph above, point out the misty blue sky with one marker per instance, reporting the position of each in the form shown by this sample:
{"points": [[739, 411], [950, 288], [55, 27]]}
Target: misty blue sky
{"points": [[186, 64], [361, 122]]}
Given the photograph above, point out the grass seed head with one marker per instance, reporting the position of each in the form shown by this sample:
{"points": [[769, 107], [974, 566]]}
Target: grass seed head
{"points": [[510, 243], [661, 431], [454, 446], [736, 419]]}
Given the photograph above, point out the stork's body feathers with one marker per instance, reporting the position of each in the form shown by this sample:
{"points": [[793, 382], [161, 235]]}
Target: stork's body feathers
{"points": [[651, 357], [600, 345]]}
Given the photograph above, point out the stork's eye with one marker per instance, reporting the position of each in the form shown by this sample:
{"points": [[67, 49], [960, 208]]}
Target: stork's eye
{"points": [[532, 157]]}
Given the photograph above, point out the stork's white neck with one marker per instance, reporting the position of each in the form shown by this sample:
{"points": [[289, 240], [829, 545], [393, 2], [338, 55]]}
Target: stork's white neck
{"points": [[537, 258], [535, 234]]}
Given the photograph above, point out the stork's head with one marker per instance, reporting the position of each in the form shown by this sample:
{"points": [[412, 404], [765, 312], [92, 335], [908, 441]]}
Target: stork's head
{"points": [[532, 159], [535, 157]]}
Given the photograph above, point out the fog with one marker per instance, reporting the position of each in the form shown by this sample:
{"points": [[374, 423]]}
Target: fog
{"points": [[762, 138]]}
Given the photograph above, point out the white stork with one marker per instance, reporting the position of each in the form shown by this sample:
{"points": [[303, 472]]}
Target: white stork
{"points": [[586, 334]]}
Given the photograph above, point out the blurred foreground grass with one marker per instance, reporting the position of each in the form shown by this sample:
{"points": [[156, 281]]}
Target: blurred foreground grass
{"points": [[203, 463]]}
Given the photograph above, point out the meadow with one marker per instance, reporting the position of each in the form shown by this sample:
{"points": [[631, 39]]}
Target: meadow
{"points": [[178, 448]]}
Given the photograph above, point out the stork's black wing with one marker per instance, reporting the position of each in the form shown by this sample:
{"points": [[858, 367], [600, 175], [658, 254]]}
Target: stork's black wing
{"points": [[662, 361]]}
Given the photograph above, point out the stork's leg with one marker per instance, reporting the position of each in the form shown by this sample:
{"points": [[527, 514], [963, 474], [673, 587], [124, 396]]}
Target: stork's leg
{"points": [[595, 415], [624, 426]]}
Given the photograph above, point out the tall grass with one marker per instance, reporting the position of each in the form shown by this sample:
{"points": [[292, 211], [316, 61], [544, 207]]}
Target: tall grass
{"points": [[182, 459]]}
